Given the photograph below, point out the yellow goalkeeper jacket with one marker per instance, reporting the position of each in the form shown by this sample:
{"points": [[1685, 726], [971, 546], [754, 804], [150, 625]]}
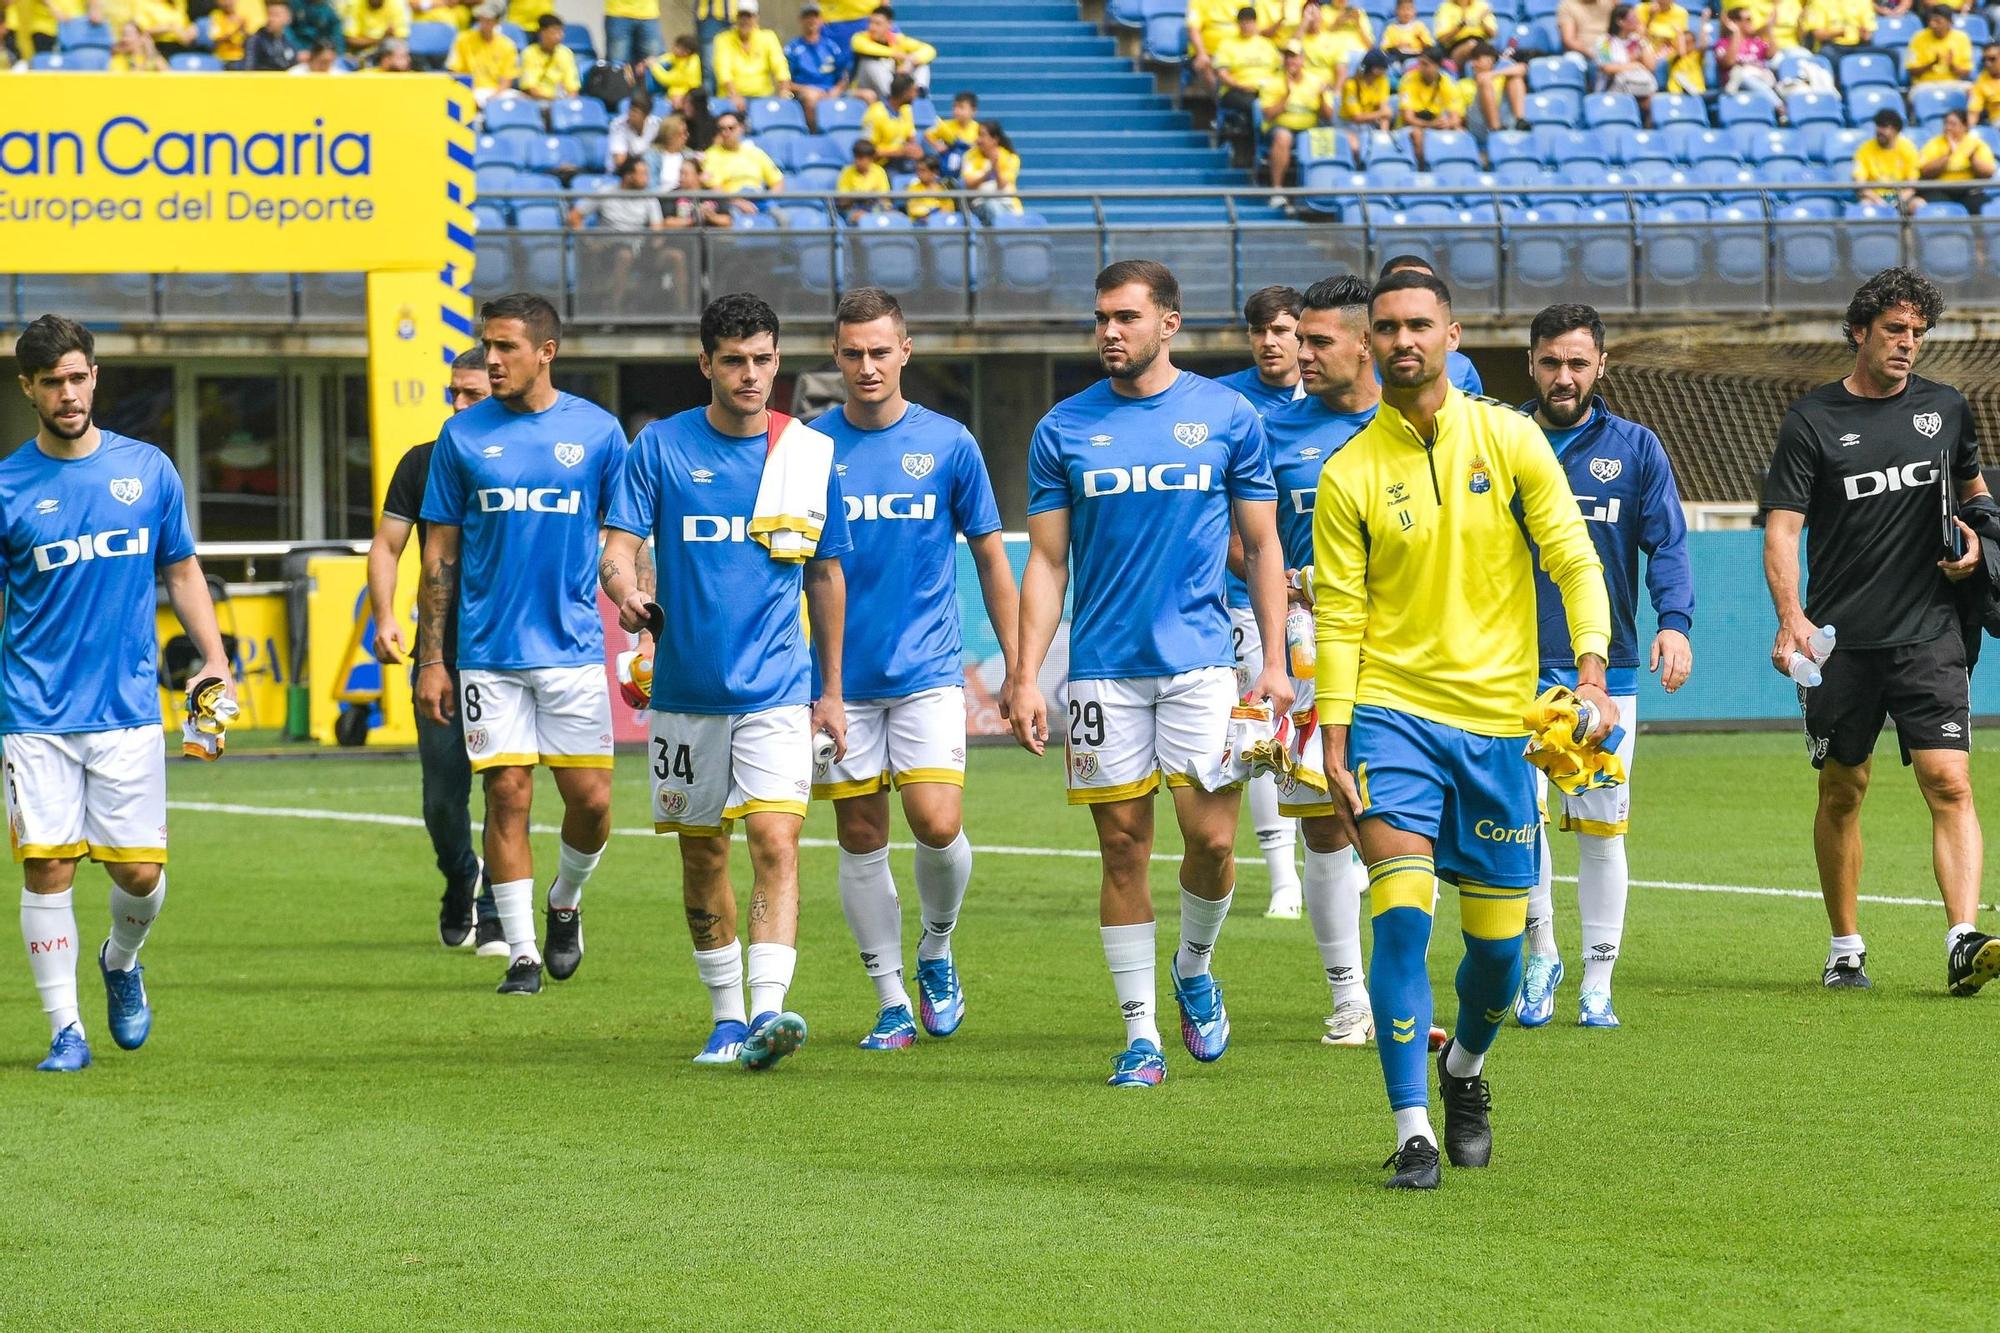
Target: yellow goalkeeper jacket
{"points": [[1423, 571]]}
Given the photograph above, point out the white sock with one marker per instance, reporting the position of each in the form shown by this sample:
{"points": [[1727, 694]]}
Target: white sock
{"points": [[1131, 952], [1414, 1122], [1542, 906], [1951, 936], [721, 970], [1201, 923], [942, 874], [1276, 836], [1844, 945], [48, 928], [572, 873], [875, 915], [1601, 885], [1334, 882], [770, 971], [1461, 1063], [131, 919], [514, 900]]}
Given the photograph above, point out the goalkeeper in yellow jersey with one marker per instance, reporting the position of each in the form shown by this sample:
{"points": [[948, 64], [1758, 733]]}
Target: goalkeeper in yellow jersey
{"points": [[1424, 597]]}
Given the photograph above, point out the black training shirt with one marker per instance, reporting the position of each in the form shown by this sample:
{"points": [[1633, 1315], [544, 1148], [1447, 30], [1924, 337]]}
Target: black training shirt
{"points": [[405, 500], [1864, 472]]}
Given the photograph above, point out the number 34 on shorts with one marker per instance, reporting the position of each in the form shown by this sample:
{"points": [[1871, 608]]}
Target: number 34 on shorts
{"points": [[711, 769]]}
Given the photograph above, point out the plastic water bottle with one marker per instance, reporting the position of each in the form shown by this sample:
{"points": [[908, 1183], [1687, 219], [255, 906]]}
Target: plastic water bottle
{"points": [[1299, 642], [1819, 646], [1804, 668]]}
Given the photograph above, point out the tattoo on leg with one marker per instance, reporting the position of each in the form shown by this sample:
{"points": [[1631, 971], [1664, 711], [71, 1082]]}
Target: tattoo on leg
{"points": [[704, 926], [760, 907]]}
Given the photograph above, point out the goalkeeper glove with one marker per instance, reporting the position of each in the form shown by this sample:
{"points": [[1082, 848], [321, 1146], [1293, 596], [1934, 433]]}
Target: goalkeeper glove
{"points": [[635, 678], [1559, 743], [210, 711]]}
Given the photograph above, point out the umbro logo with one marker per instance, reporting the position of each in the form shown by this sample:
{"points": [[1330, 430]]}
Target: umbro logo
{"points": [[840, 469], [1849, 440], [1099, 441], [1604, 951], [1952, 729], [46, 506], [702, 476], [494, 450], [1309, 454]]}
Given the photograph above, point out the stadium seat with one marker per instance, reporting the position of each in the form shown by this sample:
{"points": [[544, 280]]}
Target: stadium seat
{"points": [[1560, 106], [1784, 171], [1944, 241], [1989, 132], [1330, 182], [1543, 33], [1165, 40], [1540, 9], [1573, 146], [1806, 108], [1377, 146], [776, 116], [1604, 249], [1739, 108], [538, 215], [783, 151], [1930, 101], [1729, 184], [1863, 102], [1710, 146], [1792, 65], [81, 34], [1838, 147], [1806, 250], [515, 33], [1678, 109], [819, 150], [194, 62], [1679, 139], [1670, 239], [1894, 31], [1640, 146], [494, 178], [90, 59], [812, 178], [1509, 146], [507, 111], [1868, 67], [1520, 173], [1391, 174], [1874, 236], [1548, 73], [431, 42], [1611, 109], [1537, 241], [492, 215], [1027, 263], [841, 113], [577, 38], [1326, 144], [1126, 13], [887, 254], [1441, 146], [578, 113], [1975, 27], [1738, 255], [1763, 145], [593, 182]]}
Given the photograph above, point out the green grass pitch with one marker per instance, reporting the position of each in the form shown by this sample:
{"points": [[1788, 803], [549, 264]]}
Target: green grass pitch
{"points": [[338, 1124]]}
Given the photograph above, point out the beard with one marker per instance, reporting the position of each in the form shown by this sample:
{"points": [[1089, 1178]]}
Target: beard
{"points": [[1565, 414], [1138, 360], [63, 434]]}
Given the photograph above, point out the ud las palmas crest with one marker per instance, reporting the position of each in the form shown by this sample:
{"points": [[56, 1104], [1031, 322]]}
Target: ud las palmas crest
{"points": [[918, 465]]}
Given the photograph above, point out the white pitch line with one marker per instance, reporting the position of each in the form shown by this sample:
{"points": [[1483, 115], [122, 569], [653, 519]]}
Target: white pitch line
{"points": [[1065, 853]]}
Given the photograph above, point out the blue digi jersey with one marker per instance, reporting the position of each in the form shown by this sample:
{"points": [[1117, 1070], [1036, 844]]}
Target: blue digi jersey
{"points": [[1265, 398], [527, 491], [1302, 437], [1463, 374], [820, 64], [909, 490], [83, 539], [1148, 483], [736, 640]]}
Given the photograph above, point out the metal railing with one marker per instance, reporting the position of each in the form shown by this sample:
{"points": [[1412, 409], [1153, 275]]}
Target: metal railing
{"points": [[1504, 252]]}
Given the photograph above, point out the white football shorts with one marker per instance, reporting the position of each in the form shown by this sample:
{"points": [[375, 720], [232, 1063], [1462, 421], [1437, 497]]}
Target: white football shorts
{"points": [[1248, 646], [711, 769], [559, 716], [1303, 794], [101, 794], [917, 738], [1606, 811], [1123, 734]]}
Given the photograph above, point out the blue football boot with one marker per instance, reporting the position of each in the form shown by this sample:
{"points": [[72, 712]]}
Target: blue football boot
{"points": [[1540, 976], [130, 1017], [725, 1043], [1596, 1010], [940, 997], [68, 1053], [772, 1037], [1139, 1065], [894, 1030], [1204, 1019]]}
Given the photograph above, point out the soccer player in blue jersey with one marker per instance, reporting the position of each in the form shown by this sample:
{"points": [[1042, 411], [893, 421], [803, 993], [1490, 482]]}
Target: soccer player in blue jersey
{"points": [[87, 518], [1271, 381], [517, 487], [1625, 487], [733, 710], [1464, 376], [1337, 372], [912, 480], [1137, 480], [1424, 601]]}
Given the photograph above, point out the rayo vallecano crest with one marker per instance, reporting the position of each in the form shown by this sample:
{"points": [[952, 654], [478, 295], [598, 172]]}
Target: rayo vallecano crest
{"points": [[1606, 469], [1928, 424], [918, 465], [1190, 433], [569, 455], [125, 490]]}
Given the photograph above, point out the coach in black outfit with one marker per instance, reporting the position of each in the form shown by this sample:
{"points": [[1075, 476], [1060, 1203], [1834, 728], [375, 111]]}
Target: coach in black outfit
{"points": [[1858, 467]]}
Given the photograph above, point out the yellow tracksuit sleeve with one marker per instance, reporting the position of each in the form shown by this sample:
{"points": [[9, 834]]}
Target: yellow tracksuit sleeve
{"points": [[1340, 596], [1569, 558]]}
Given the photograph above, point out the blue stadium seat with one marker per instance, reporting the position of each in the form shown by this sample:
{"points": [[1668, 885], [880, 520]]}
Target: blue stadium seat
{"points": [[1126, 13], [783, 151], [1520, 173], [1392, 173], [1611, 109], [1839, 145], [1377, 146], [1820, 206], [492, 215], [594, 182], [1894, 31], [1680, 138], [515, 33], [1990, 132], [1737, 254], [819, 150], [1604, 250], [1944, 241], [1547, 73], [1738, 108], [571, 152], [1509, 146], [577, 38], [1670, 237], [1729, 185], [1326, 144], [1868, 67], [578, 113], [1874, 236], [492, 151], [1441, 146], [1462, 176], [1929, 101], [1774, 145], [1863, 102], [81, 34], [538, 215], [1678, 109], [776, 116], [1975, 27], [1330, 181], [1784, 171], [1027, 262], [510, 111], [431, 42], [1710, 146], [1543, 34], [841, 113], [1584, 173], [923, 114], [1537, 240], [1540, 9], [1561, 106], [1806, 108], [1571, 146], [90, 59], [1165, 41], [1643, 146], [494, 178], [194, 62], [890, 255], [1806, 249], [1793, 64], [820, 177]]}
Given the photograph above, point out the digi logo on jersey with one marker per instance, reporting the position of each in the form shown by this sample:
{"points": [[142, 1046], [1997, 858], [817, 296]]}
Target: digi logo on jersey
{"points": [[529, 500], [1598, 513], [894, 505], [714, 528], [108, 545], [1098, 482], [1907, 477], [1302, 500]]}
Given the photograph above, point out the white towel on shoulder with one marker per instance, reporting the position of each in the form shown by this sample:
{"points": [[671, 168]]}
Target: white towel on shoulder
{"points": [[792, 495]]}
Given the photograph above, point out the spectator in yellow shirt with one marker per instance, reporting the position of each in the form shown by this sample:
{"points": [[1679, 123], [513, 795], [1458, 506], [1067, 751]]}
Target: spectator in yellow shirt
{"points": [[1245, 63], [862, 176], [1366, 100], [1939, 53], [676, 74], [1461, 24], [1429, 100], [1887, 159], [485, 55], [881, 53], [1838, 22], [368, 22], [1334, 37], [166, 22], [1295, 101], [1210, 23], [229, 26], [632, 33], [952, 138], [992, 167], [750, 61], [1488, 77], [1956, 155], [34, 24], [892, 126], [731, 166], [454, 12], [1665, 22], [926, 190], [1985, 93], [1406, 38], [548, 68], [133, 51]]}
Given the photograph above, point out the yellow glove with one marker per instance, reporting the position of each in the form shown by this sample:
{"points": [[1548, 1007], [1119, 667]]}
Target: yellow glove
{"points": [[210, 711], [1558, 744]]}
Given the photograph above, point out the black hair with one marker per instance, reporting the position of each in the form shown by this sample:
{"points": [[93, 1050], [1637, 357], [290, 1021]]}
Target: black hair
{"points": [[1417, 262], [544, 325], [899, 85], [50, 339], [548, 21], [1411, 279], [1887, 290], [1267, 303], [1891, 117], [1158, 280], [1566, 317], [971, 97], [999, 133], [627, 165], [737, 315], [1343, 292], [472, 358], [886, 11]]}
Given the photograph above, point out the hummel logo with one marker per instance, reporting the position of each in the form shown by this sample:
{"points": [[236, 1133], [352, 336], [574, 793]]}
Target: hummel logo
{"points": [[702, 476], [1849, 440], [1495, 1015], [1403, 1029], [46, 506], [494, 450]]}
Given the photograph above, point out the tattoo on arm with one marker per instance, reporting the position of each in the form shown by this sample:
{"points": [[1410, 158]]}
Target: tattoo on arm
{"points": [[704, 926], [440, 585], [609, 571], [648, 578]]}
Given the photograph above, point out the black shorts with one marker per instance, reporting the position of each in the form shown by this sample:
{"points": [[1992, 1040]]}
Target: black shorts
{"points": [[1923, 686]]}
